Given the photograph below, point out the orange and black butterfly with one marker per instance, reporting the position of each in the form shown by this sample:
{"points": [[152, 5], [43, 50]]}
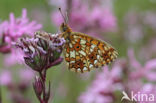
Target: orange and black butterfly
{"points": [[84, 53]]}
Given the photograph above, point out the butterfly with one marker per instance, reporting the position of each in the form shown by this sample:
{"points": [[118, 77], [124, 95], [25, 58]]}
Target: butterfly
{"points": [[83, 52]]}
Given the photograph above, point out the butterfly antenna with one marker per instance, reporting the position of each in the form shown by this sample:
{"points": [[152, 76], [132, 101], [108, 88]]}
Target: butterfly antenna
{"points": [[64, 17], [67, 17]]}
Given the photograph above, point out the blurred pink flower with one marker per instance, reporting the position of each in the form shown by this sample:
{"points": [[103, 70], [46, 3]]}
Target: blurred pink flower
{"points": [[62, 90], [104, 18], [150, 68], [150, 19], [133, 62], [16, 89], [15, 57], [11, 30], [137, 24], [151, 47], [147, 71], [82, 18], [134, 30], [126, 76], [26, 74], [148, 89], [79, 19], [137, 73], [98, 92], [5, 77]]}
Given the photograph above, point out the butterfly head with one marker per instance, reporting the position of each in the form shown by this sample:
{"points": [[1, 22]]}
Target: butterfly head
{"points": [[65, 28]]}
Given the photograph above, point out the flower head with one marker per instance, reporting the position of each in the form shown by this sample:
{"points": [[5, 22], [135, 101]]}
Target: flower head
{"points": [[11, 30], [42, 51]]}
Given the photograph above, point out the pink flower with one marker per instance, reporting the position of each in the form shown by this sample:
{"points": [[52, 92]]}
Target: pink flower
{"points": [[124, 76], [150, 68], [11, 30], [150, 19], [151, 47], [104, 17], [137, 73], [26, 74], [5, 77], [148, 89], [82, 18], [147, 71], [79, 19], [42, 51], [98, 92], [134, 29], [133, 62], [15, 57]]}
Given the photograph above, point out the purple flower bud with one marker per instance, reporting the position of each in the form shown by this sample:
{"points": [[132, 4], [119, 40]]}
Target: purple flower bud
{"points": [[42, 51], [38, 86]]}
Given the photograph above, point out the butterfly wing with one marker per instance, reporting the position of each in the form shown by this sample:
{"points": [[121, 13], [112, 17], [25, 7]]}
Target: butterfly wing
{"points": [[84, 53]]}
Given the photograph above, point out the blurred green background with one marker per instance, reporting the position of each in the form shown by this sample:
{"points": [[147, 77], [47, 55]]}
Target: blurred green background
{"points": [[66, 85]]}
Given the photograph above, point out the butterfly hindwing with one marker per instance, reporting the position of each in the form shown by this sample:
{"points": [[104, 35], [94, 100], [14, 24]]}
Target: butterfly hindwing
{"points": [[84, 53]]}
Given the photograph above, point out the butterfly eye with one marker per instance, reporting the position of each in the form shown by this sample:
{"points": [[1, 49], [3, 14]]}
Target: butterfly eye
{"points": [[64, 28]]}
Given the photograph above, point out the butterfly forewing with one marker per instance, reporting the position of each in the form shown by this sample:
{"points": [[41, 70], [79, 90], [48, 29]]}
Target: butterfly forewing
{"points": [[84, 53]]}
